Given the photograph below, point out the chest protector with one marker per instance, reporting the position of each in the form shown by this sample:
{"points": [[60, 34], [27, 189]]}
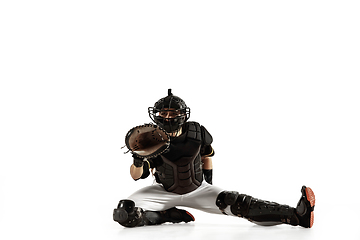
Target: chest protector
{"points": [[181, 168]]}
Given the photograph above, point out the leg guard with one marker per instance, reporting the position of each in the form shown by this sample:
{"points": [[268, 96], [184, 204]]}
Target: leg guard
{"points": [[256, 210], [127, 215]]}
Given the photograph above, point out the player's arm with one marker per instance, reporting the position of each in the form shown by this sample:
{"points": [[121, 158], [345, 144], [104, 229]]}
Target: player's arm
{"points": [[207, 163], [207, 152], [140, 168], [206, 158], [145, 142], [207, 168]]}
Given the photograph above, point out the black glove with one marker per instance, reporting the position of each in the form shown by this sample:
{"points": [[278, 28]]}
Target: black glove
{"points": [[138, 162]]}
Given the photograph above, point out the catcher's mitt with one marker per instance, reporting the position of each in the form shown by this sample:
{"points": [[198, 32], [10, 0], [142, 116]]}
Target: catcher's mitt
{"points": [[147, 140]]}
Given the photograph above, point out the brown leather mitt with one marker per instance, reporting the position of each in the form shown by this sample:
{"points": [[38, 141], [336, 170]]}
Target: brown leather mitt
{"points": [[147, 141]]}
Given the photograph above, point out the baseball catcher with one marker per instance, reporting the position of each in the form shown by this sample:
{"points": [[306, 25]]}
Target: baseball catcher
{"points": [[179, 154]]}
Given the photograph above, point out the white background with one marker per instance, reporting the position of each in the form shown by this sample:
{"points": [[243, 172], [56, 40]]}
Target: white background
{"points": [[275, 82]]}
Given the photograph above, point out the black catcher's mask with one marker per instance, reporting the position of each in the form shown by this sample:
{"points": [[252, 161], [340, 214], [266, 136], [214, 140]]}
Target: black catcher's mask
{"points": [[170, 113]]}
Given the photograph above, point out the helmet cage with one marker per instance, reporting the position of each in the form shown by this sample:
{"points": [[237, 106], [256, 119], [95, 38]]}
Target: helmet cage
{"points": [[170, 113], [172, 120]]}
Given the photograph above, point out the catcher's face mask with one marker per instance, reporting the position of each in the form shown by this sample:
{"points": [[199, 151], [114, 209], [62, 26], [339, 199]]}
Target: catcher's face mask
{"points": [[168, 118], [170, 113]]}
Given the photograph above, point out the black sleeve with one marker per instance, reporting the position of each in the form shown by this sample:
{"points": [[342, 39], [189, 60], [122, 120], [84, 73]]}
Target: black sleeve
{"points": [[208, 175], [207, 151]]}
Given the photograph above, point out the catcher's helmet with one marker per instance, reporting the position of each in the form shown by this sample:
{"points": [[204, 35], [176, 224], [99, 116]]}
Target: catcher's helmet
{"points": [[170, 113]]}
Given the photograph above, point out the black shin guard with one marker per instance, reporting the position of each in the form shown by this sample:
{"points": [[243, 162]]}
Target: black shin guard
{"points": [[256, 210]]}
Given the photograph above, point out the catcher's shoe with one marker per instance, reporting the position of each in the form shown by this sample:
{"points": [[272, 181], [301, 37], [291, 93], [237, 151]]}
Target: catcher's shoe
{"points": [[173, 215], [305, 207]]}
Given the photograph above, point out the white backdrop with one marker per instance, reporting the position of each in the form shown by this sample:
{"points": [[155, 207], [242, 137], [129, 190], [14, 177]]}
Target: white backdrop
{"points": [[275, 82]]}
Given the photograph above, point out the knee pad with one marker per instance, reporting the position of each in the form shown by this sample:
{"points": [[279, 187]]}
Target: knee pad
{"points": [[225, 199], [127, 205], [241, 206], [239, 203], [127, 215]]}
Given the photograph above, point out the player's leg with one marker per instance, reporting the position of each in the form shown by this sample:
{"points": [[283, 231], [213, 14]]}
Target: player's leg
{"points": [[203, 198], [212, 199], [151, 205], [269, 213]]}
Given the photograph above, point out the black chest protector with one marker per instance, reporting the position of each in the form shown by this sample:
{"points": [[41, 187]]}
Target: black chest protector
{"points": [[181, 168]]}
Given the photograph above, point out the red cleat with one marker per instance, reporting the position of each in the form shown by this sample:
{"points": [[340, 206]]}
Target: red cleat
{"points": [[305, 207]]}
